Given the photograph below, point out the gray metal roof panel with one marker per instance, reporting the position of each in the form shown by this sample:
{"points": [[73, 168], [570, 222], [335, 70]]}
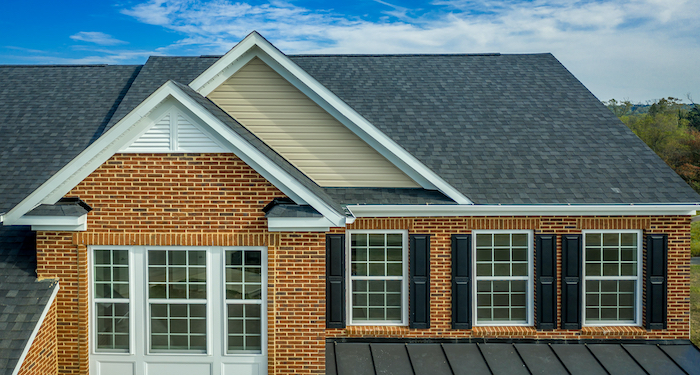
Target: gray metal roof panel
{"points": [[502, 129], [22, 298], [578, 360], [686, 356], [518, 356], [466, 359], [48, 115]]}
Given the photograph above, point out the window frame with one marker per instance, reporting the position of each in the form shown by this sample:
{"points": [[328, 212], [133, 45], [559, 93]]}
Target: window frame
{"points": [[349, 278], [139, 310], [638, 290], [530, 293], [93, 301]]}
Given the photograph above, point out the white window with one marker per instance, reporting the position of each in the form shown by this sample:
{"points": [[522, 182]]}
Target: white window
{"points": [[378, 277], [178, 309], [503, 277], [111, 300], [612, 277]]}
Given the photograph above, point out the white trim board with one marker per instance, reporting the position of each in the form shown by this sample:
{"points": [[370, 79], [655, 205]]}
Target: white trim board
{"points": [[255, 45], [519, 210], [135, 123], [35, 332]]}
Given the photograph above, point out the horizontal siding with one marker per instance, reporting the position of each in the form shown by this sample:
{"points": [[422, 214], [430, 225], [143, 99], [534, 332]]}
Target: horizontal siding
{"points": [[302, 132], [190, 137]]}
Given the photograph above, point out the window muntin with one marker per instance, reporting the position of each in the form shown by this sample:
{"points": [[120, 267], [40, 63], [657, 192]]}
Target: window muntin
{"points": [[244, 274], [177, 300], [378, 277], [503, 277], [111, 299], [612, 277]]}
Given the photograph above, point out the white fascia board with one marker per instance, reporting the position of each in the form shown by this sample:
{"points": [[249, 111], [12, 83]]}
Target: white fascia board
{"points": [[298, 224], [35, 332], [255, 45], [133, 125], [518, 210], [54, 223]]}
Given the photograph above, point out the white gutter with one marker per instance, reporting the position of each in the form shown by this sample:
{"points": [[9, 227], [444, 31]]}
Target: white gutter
{"points": [[518, 210]]}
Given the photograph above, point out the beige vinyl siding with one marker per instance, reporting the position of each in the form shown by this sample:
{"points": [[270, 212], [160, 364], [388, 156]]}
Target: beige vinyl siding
{"points": [[303, 132]]}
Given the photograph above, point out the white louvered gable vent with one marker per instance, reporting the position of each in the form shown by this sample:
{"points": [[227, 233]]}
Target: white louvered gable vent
{"points": [[174, 132]]}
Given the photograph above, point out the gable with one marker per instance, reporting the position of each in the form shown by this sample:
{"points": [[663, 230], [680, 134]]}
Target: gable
{"points": [[174, 131], [303, 132]]}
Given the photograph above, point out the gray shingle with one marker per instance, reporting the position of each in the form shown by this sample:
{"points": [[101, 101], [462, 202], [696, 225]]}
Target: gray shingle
{"points": [[48, 115], [22, 297]]}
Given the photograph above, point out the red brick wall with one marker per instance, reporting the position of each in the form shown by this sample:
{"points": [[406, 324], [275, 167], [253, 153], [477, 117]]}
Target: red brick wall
{"points": [[440, 229], [42, 358], [216, 200]]}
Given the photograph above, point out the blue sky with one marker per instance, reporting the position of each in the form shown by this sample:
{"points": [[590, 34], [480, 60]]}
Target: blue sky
{"points": [[624, 49]]}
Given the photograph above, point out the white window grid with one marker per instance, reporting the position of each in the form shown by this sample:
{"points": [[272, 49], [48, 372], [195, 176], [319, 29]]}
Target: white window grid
{"points": [[243, 280], [184, 330], [517, 298], [597, 298], [378, 287], [111, 285]]}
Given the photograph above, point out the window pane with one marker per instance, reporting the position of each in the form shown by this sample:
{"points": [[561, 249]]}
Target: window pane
{"points": [[244, 327], [178, 327], [501, 301], [610, 300], [112, 326], [244, 275], [379, 300], [177, 278]]}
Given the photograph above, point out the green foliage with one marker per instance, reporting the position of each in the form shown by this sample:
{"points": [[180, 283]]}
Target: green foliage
{"points": [[668, 128], [695, 239]]}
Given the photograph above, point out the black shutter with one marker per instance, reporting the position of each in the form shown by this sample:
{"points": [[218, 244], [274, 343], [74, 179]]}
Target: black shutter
{"points": [[461, 281], [657, 249], [419, 293], [546, 253], [335, 281], [571, 245]]}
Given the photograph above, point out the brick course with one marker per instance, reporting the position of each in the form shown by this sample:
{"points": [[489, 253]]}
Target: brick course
{"points": [[216, 200], [42, 358]]}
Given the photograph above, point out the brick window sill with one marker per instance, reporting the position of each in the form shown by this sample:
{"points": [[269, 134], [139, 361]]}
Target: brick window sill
{"points": [[505, 331], [613, 331], [380, 331]]}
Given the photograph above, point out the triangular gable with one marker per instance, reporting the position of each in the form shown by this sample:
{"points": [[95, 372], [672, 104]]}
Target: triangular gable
{"points": [[302, 132], [255, 46], [174, 131], [171, 100]]}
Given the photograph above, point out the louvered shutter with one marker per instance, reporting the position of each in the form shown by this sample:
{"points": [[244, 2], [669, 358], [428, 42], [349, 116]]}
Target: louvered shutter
{"points": [[657, 249], [571, 247], [419, 281], [335, 281], [546, 253], [461, 281]]}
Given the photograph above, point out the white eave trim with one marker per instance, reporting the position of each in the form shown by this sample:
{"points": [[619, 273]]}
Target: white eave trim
{"points": [[518, 210], [298, 224], [215, 75], [131, 126], [54, 223], [35, 332]]}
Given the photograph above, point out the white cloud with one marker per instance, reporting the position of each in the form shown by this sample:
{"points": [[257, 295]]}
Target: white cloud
{"points": [[636, 49], [97, 38]]}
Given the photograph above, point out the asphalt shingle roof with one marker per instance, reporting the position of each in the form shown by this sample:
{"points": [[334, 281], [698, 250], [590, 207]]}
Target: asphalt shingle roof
{"points": [[501, 129], [22, 297], [48, 115]]}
